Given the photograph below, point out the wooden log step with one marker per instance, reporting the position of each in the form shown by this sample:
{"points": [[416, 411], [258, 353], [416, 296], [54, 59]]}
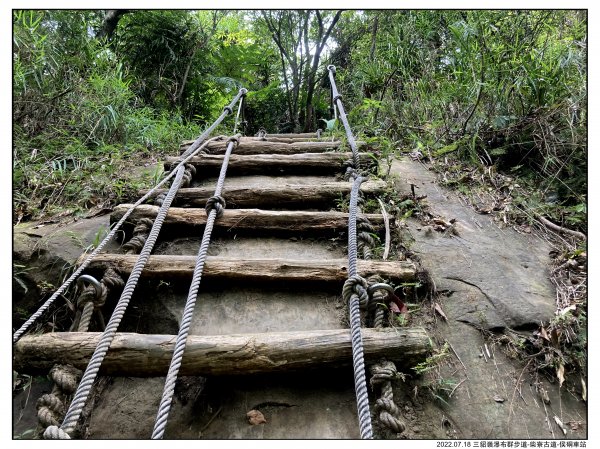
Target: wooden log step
{"points": [[267, 270], [187, 143], [235, 219], [145, 355], [314, 163], [260, 147], [274, 195], [292, 135]]}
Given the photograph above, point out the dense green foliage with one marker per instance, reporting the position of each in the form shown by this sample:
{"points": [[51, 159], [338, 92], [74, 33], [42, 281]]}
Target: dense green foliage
{"points": [[502, 89]]}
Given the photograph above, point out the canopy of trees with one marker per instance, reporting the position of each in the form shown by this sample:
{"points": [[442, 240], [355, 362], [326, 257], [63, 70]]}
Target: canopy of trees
{"points": [[94, 88]]}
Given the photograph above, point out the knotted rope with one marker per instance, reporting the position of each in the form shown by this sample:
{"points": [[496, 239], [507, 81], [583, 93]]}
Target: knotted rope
{"points": [[93, 297], [355, 287], [355, 292], [140, 234], [377, 304], [51, 406], [214, 208], [187, 155], [108, 335], [365, 238], [382, 374]]}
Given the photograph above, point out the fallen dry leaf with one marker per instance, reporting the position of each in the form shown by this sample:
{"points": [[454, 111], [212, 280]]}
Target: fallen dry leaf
{"points": [[574, 425], [544, 334], [255, 417], [499, 398], [583, 390], [560, 373], [439, 310]]}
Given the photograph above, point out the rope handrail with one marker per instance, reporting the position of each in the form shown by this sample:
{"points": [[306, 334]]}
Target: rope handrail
{"points": [[355, 288], [214, 209], [81, 395], [337, 100], [189, 153]]}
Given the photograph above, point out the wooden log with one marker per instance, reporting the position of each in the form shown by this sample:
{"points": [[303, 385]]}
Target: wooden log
{"points": [[261, 147], [265, 270], [144, 355], [292, 135], [187, 143], [235, 219], [312, 163], [273, 195]]}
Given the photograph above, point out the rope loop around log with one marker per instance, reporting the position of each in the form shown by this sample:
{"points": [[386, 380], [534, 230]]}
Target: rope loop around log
{"points": [[235, 139], [228, 110], [337, 97], [216, 202], [331, 68]]}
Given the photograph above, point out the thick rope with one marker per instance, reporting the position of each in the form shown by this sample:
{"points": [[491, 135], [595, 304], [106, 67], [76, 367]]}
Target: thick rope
{"points": [[51, 406], [382, 375], [377, 304], [188, 176], [91, 301], [33, 318], [337, 99], [214, 209], [355, 292], [140, 234], [108, 335], [365, 238]]}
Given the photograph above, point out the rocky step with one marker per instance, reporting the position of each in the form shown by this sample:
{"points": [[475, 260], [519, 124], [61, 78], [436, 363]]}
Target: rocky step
{"points": [[145, 355]]}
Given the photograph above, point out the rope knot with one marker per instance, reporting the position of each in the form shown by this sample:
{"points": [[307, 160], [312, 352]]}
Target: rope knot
{"points": [[356, 285], [382, 375], [331, 67], [384, 371], [228, 110], [188, 175], [216, 202], [112, 279], [65, 377], [351, 173], [235, 139], [55, 433]]}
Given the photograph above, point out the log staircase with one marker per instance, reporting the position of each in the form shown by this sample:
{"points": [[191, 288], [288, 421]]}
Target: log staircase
{"points": [[283, 188]]}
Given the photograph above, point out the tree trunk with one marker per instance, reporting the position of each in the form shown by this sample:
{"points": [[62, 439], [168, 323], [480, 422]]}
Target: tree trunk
{"points": [[110, 22]]}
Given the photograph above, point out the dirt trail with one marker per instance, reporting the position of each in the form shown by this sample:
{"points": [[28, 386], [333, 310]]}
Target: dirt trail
{"points": [[491, 279]]}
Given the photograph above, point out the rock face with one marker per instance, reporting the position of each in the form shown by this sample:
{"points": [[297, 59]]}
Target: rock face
{"points": [[43, 255], [500, 276]]}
